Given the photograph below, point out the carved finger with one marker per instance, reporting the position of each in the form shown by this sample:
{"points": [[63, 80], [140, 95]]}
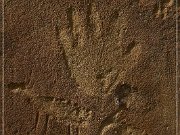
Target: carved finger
{"points": [[79, 33], [132, 55], [94, 19], [67, 41]]}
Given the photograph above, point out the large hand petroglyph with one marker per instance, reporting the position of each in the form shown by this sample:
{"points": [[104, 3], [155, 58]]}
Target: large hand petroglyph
{"points": [[97, 66], [92, 60]]}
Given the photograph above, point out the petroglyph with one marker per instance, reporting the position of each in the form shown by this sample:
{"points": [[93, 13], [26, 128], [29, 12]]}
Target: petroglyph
{"points": [[86, 67], [74, 116], [78, 48], [63, 110]]}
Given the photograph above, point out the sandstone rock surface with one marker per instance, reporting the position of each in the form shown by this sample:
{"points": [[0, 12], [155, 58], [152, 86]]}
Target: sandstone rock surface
{"points": [[90, 67]]}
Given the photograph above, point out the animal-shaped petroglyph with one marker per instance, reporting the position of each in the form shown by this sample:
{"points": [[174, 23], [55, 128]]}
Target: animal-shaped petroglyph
{"points": [[62, 110]]}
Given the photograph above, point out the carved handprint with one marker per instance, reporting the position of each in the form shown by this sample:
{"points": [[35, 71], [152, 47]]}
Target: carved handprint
{"points": [[97, 64], [88, 54]]}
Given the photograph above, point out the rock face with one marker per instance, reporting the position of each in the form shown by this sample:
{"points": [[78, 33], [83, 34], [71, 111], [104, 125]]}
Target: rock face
{"points": [[86, 67]]}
